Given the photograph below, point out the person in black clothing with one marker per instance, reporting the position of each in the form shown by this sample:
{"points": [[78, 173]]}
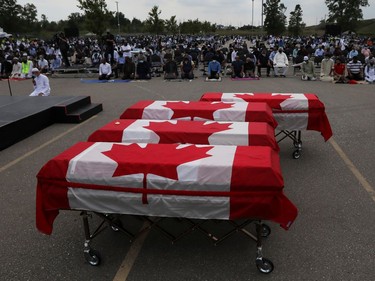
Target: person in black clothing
{"points": [[110, 47], [63, 44], [187, 68], [263, 62], [170, 69], [143, 70], [129, 69], [238, 68]]}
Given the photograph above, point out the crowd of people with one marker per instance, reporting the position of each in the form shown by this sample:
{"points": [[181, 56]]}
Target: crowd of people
{"points": [[340, 59]]}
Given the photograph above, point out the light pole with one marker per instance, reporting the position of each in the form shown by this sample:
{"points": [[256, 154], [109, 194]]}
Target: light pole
{"points": [[118, 18], [252, 15], [262, 15]]}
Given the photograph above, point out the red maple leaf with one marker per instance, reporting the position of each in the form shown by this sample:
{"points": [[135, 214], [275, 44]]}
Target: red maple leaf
{"points": [[204, 110], [186, 131], [273, 101], [156, 159]]}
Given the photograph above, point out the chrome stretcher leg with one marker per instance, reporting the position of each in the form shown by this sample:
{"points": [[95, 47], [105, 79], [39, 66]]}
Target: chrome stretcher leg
{"points": [[298, 145], [264, 265], [91, 256]]}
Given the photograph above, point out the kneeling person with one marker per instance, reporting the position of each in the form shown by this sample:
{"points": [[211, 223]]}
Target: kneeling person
{"points": [[41, 84], [105, 70]]}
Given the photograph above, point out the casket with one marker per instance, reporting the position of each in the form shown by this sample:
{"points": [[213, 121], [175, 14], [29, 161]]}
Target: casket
{"points": [[292, 111], [183, 131], [164, 180]]}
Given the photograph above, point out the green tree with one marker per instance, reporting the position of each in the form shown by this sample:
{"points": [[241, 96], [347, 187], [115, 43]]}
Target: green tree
{"points": [[171, 25], [154, 23], [295, 21], [275, 19], [345, 13], [96, 15], [9, 15]]}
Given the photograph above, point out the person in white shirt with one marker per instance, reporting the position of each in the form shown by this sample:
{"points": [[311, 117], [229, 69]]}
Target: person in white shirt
{"points": [[105, 70], [41, 84], [17, 68], [280, 62], [370, 71]]}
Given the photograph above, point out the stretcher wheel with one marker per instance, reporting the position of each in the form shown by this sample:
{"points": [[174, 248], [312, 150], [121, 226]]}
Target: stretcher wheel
{"points": [[297, 144], [92, 257], [266, 230], [296, 154], [264, 265]]}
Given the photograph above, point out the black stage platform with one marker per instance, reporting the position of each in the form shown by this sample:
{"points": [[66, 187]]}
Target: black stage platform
{"points": [[21, 117]]}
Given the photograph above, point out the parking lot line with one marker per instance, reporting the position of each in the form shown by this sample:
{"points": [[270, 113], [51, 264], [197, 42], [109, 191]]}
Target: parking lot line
{"points": [[31, 152], [362, 180], [131, 256]]}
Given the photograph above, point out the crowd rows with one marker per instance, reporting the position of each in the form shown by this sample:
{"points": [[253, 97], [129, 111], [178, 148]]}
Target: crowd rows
{"points": [[340, 59]]}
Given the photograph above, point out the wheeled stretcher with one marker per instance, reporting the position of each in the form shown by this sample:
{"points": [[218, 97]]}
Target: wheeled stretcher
{"points": [[293, 112], [156, 181], [196, 110], [183, 131]]}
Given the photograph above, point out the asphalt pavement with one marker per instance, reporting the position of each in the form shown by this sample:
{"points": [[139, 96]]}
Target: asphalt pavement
{"points": [[332, 185]]}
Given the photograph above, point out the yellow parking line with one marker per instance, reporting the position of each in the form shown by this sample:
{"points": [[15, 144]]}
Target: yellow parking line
{"points": [[362, 180], [131, 256], [31, 152]]}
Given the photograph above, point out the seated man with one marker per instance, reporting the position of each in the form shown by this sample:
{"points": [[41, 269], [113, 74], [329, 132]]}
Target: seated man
{"points": [[370, 71], [143, 69], [170, 69], [16, 69], [249, 67], [326, 69], [214, 69], [43, 64], [319, 54], [105, 70], [187, 68], [263, 62], [307, 69], [27, 66], [128, 69], [280, 62], [238, 68], [354, 68], [56, 62], [339, 72], [41, 84]]}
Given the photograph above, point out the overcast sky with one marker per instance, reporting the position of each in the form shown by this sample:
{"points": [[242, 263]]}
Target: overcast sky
{"points": [[236, 13]]}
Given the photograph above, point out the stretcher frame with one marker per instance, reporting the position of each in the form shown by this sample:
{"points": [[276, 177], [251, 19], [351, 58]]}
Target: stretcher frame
{"points": [[92, 256]]}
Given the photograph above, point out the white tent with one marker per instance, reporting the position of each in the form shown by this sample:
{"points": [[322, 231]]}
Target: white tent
{"points": [[4, 34]]}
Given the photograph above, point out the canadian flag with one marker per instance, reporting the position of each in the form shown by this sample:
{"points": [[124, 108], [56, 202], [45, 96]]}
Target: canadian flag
{"points": [[198, 110], [172, 180], [183, 131], [292, 111]]}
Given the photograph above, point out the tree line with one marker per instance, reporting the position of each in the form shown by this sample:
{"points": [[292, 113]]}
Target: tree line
{"points": [[96, 18]]}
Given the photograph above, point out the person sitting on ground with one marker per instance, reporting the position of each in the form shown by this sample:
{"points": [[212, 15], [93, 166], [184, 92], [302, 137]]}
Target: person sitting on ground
{"points": [[214, 69], [129, 69], [41, 84], [143, 69], [96, 57], [27, 66], [339, 71], [263, 62], [238, 68], [16, 69], [319, 55], [43, 64], [307, 69], [354, 68], [105, 70], [170, 69], [56, 63], [280, 63], [249, 67], [187, 69], [370, 71], [326, 69]]}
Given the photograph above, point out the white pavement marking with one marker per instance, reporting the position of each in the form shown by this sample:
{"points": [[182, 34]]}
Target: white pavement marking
{"points": [[362, 180], [131, 256], [31, 152]]}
